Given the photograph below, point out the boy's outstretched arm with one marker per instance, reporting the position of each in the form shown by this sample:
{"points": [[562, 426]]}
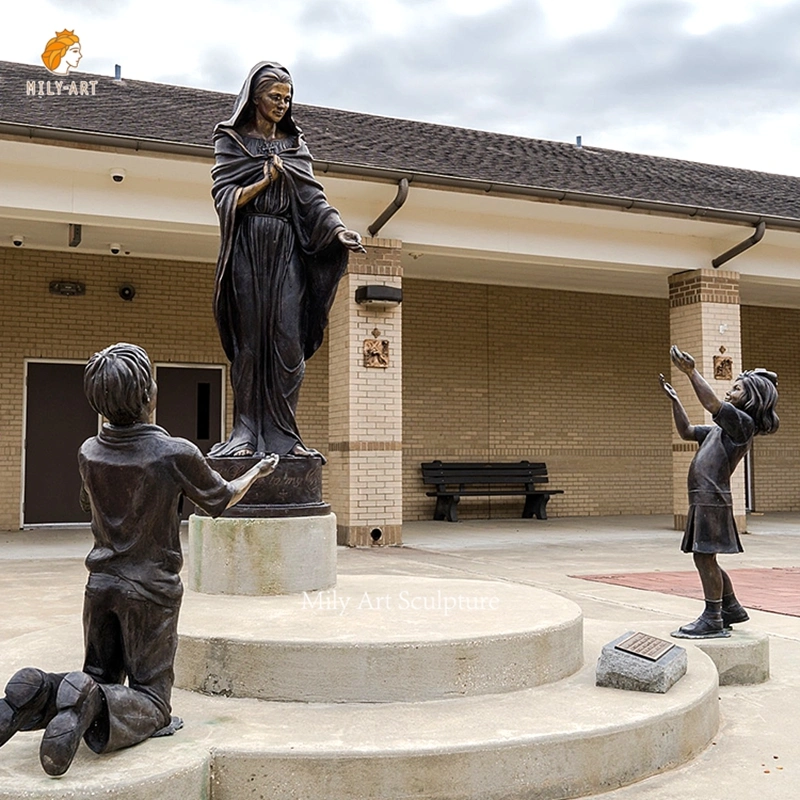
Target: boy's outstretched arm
{"points": [[683, 426], [244, 482], [705, 394]]}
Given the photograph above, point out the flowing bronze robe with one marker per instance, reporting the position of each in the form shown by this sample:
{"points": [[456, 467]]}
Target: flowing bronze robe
{"points": [[279, 264]]}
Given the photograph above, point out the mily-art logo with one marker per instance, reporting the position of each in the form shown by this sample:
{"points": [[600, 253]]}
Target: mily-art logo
{"points": [[62, 53]]}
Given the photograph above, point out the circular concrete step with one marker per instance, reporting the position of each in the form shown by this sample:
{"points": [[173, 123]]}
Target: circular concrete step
{"points": [[379, 639], [560, 740], [152, 770]]}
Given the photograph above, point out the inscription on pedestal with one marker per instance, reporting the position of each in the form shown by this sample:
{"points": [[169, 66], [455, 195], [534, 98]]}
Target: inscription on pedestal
{"points": [[294, 489]]}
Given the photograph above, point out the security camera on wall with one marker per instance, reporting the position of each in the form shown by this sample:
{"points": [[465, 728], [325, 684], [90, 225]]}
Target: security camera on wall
{"points": [[117, 175], [115, 248], [17, 240]]}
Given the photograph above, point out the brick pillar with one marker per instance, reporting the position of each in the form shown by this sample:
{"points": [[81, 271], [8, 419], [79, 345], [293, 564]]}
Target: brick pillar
{"points": [[365, 405], [704, 321]]}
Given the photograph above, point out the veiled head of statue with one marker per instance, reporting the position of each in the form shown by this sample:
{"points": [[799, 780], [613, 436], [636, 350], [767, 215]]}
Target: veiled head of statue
{"points": [[267, 77], [258, 82]]}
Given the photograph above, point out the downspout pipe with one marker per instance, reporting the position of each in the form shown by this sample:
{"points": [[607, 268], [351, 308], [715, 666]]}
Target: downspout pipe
{"points": [[391, 209], [741, 247]]}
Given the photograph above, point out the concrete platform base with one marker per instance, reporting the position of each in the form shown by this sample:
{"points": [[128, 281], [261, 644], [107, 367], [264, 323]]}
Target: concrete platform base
{"points": [[742, 659], [560, 740], [379, 639], [262, 556]]}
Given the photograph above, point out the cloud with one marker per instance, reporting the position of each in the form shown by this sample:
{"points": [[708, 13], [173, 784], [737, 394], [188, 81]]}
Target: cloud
{"points": [[642, 81], [95, 8], [639, 79], [647, 68], [445, 68], [216, 68]]}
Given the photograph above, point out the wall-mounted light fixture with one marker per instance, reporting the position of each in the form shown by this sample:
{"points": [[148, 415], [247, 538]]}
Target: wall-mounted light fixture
{"points": [[67, 288], [379, 296]]}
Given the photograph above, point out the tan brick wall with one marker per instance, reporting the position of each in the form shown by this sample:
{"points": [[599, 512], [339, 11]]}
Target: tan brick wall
{"points": [[489, 372], [171, 317], [506, 373], [769, 339], [365, 417]]}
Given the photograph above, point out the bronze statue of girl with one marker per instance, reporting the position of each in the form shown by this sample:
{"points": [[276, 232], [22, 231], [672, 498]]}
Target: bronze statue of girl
{"points": [[747, 411]]}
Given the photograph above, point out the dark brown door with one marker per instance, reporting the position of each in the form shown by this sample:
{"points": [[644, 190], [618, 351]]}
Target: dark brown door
{"points": [[58, 420], [190, 405]]}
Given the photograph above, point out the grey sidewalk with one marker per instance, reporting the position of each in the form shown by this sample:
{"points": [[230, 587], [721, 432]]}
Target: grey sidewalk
{"points": [[757, 752]]}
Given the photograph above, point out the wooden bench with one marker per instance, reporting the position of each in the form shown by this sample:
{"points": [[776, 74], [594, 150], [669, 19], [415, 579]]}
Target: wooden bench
{"points": [[492, 480]]}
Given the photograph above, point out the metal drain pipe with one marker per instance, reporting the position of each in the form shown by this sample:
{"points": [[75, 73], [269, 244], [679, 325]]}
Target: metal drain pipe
{"points": [[391, 209], [738, 249]]}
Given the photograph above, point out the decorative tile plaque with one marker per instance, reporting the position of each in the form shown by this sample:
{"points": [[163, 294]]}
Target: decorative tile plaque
{"points": [[645, 646], [723, 368], [723, 365], [376, 353]]}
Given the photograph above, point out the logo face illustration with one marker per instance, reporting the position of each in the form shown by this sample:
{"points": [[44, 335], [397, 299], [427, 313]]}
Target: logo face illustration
{"points": [[62, 53]]}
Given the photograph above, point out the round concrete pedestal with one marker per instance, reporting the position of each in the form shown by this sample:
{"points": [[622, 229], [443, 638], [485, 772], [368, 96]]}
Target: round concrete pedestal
{"points": [[262, 556], [379, 639], [741, 659]]}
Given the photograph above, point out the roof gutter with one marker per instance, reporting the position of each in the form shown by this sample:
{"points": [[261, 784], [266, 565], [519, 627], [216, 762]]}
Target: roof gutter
{"points": [[107, 140], [422, 179]]}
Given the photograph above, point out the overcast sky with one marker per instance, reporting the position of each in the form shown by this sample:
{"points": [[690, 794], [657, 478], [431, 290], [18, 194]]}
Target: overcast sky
{"points": [[704, 80]]}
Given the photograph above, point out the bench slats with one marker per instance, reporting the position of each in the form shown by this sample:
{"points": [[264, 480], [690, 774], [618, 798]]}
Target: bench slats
{"points": [[496, 493], [522, 474], [483, 473]]}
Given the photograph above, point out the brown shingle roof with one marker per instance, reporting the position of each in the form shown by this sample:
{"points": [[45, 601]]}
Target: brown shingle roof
{"points": [[187, 116]]}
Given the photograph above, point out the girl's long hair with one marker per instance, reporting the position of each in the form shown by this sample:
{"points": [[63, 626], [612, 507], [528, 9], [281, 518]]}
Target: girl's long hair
{"points": [[761, 397]]}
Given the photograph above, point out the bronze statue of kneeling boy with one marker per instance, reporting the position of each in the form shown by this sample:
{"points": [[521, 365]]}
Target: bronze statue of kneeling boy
{"points": [[134, 475], [747, 411]]}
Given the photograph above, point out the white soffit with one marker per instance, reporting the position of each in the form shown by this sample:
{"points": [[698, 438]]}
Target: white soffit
{"points": [[163, 209]]}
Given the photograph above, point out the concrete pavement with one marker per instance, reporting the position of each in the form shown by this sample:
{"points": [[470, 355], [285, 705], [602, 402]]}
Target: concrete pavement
{"points": [[757, 751]]}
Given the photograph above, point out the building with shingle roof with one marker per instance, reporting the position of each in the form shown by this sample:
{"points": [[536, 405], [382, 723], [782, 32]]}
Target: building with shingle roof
{"points": [[542, 285], [349, 142]]}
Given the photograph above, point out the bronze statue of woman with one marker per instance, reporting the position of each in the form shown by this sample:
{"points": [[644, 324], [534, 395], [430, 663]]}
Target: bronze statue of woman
{"points": [[282, 252]]}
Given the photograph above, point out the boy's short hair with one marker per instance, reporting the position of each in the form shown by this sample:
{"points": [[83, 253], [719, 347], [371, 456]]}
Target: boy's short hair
{"points": [[118, 381]]}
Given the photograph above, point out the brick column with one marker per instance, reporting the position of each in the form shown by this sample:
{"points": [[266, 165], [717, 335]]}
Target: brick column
{"points": [[365, 405], [704, 321]]}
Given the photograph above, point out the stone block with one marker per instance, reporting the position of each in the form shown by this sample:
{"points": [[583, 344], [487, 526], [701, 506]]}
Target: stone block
{"points": [[619, 669]]}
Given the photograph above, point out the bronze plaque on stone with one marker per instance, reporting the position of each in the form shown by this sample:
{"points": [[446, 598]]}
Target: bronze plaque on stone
{"points": [[645, 646]]}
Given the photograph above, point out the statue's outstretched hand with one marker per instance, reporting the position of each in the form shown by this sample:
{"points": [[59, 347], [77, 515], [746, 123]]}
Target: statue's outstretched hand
{"points": [[267, 465], [683, 361], [668, 390], [352, 241]]}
